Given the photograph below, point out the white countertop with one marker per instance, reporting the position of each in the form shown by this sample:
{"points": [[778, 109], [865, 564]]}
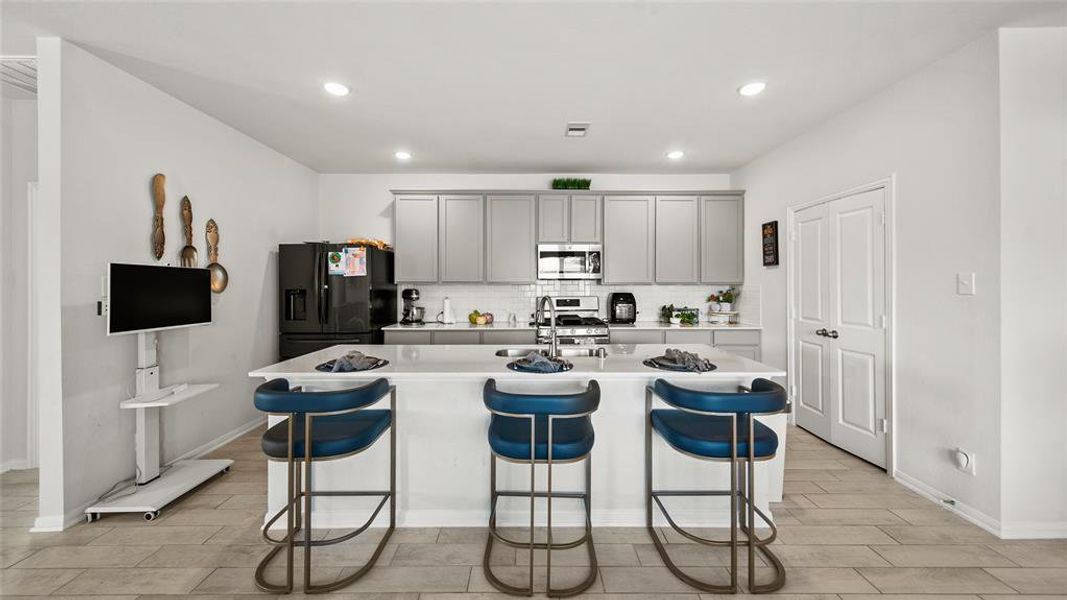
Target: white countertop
{"points": [[411, 362], [523, 326]]}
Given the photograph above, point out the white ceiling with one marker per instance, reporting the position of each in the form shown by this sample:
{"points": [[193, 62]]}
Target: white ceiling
{"points": [[488, 87]]}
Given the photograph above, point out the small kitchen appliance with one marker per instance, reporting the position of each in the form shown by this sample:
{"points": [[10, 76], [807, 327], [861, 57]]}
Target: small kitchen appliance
{"points": [[623, 308], [412, 314], [568, 261], [577, 322]]}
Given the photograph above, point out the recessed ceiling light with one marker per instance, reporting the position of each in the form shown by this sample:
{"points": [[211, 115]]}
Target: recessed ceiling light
{"points": [[676, 155], [336, 89], [402, 155], [752, 88]]}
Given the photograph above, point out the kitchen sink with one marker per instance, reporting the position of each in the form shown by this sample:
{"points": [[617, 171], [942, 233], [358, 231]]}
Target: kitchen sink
{"points": [[599, 352]]}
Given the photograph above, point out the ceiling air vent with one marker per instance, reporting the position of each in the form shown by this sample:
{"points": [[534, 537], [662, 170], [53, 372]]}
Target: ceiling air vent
{"points": [[577, 129]]}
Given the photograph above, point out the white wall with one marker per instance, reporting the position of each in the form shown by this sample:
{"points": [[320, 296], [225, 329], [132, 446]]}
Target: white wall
{"points": [[18, 121], [115, 132], [362, 206], [936, 131], [1033, 234]]}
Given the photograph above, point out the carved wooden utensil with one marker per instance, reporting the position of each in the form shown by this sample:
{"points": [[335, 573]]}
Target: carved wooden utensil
{"points": [[219, 277], [159, 196], [187, 256]]}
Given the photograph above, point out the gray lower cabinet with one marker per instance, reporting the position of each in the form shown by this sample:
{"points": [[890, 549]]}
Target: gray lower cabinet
{"points": [[688, 336], [721, 239], [552, 218], [509, 338], [415, 238], [393, 336], [677, 239], [636, 336], [457, 337], [510, 244], [745, 342], [585, 220], [629, 239], [462, 238]]}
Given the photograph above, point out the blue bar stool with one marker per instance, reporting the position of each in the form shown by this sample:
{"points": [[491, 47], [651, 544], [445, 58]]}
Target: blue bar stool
{"points": [[322, 426], [718, 426], [541, 429]]}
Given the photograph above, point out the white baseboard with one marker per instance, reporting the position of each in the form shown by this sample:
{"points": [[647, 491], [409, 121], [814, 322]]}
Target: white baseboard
{"points": [[59, 523], [936, 496], [221, 441], [1030, 530], [14, 464]]}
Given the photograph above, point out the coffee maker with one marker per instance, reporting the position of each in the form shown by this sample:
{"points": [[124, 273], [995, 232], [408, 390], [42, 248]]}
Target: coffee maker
{"points": [[412, 314]]}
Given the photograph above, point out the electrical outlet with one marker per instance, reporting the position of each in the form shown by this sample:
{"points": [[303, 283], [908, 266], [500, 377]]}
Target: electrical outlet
{"points": [[964, 460], [965, 284]]}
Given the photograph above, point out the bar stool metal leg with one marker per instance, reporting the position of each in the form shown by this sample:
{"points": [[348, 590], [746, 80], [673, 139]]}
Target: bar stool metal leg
{"points": [[299, 517], [743, 513]]}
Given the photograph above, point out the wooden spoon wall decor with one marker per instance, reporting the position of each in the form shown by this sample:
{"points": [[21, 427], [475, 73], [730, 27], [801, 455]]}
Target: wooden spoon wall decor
{"points": [[159, 197], [219, 277], [187, 256]]}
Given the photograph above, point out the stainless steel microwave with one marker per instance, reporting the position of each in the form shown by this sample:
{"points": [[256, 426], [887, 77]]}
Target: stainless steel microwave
{"points": [[568, 261]]}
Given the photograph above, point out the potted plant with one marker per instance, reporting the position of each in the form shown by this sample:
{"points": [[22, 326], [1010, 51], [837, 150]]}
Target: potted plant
{"points": [[724, 300]]}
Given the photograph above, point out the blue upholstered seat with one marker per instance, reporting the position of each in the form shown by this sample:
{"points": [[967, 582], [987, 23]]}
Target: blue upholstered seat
{"points": [[331, 435], [335, 435], [709, 436], [766, 397], [571, 437]]}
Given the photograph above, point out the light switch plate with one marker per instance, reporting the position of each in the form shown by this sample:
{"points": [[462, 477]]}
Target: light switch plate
{"points": [[965, 284]]}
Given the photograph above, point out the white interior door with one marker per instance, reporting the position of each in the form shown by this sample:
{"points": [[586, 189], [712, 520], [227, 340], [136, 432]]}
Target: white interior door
{"points": [[812, 406], [852, 352]]}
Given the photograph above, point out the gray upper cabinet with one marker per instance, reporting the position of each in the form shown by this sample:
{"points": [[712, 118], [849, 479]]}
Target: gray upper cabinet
{"points": [[462, 238], [585, 221], [677, 239], [629, 239], [562, 218], [415, 238], [552, 217], [510, 239], [721, 239]]}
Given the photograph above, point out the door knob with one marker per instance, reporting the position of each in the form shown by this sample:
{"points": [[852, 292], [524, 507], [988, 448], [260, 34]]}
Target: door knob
{"points": [[821, 332], [833, 334]]}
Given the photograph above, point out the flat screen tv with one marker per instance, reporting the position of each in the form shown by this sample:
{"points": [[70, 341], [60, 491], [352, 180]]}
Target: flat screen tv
{"points": [[149, 298]]}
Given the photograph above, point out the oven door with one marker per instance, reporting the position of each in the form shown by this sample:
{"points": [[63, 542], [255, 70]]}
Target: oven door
{"points": [[568, 261]]}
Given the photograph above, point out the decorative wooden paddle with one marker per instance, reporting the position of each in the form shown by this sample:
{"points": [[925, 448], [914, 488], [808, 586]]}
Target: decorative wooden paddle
{"points": [[159, 196]]}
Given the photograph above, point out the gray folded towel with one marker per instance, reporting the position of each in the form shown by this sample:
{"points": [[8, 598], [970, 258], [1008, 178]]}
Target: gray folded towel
{"points": [[535, 361], [355, 361], [674, 357]]}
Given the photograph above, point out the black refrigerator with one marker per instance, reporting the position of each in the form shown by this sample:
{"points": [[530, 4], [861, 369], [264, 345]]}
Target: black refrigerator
{"points": [[321, 305]]}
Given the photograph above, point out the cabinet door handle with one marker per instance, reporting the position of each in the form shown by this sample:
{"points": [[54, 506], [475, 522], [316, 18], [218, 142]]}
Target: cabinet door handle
{"points": [[833, 334], [821, 332]]}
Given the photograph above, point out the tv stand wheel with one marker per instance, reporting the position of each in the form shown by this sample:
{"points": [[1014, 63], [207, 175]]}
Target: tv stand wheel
{"points": [[226, 470], [90, 517], [151, 515]]}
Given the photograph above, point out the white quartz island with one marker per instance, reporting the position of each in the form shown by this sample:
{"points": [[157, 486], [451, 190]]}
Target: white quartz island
{"points": [[443, 454]]}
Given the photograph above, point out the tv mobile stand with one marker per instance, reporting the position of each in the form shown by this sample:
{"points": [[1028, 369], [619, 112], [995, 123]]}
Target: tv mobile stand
{"points": [[155, 488]]}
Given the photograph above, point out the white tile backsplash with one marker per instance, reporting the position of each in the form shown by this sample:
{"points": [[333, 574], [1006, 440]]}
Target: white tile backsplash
{"points": [[502, 299]]}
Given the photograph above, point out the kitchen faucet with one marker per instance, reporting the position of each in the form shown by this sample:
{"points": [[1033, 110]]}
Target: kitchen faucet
{"points": [[540, 314]]}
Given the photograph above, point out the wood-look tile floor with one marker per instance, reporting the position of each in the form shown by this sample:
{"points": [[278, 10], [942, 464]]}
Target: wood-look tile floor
{"points": [[846, 532]]}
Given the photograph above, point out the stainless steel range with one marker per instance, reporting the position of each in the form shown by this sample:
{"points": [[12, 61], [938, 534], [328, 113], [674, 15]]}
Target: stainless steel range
{"points": [[576, 322]]}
